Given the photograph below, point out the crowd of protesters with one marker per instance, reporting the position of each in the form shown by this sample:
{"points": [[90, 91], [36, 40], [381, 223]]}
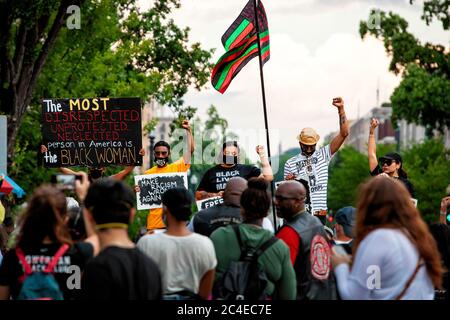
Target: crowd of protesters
{"points": [[380, 249]]}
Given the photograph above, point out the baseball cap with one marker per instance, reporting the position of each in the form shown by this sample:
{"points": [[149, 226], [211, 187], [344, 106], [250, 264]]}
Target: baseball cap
{"points": [[346, 218], [308, 136], [391, 156]]}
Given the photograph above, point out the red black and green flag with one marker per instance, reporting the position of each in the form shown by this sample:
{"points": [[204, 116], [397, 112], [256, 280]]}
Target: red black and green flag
{"points": [[240, 43]]}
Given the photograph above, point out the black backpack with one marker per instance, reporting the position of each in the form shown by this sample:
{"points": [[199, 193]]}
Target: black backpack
{"points": [[244, 279]]}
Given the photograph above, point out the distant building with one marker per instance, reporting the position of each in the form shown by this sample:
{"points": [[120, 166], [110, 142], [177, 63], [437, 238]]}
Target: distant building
{"points": [[359, 129], [405, 135]]}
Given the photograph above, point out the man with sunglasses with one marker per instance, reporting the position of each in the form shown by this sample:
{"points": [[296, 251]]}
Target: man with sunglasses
{"points": [[389, 165], [312, 165], [306, 238]]}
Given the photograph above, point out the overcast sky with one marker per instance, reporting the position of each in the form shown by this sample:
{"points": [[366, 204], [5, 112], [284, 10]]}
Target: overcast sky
{"points": [[316, 54]]}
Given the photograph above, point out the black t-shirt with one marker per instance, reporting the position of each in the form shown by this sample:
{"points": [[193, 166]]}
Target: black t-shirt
{"points": [[77, 255], [208, 220], [216, 178], [405, 181], [121, 274]]}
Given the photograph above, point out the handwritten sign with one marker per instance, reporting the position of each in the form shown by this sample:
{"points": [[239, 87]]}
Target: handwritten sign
{"points": [[208, 203], [153, 186], [91, 132]]}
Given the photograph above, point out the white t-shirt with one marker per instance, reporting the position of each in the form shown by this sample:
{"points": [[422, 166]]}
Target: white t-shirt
{"points": [[313, 169], [384, 262], [182, 260]]}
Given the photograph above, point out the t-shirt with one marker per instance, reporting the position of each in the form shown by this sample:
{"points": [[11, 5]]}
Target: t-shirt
{"points": [[216, 178], [121, 274], [405, 181], [382, 264], [274, 261], [11, 270], [183, 261], [154, 218], [314, 170]]}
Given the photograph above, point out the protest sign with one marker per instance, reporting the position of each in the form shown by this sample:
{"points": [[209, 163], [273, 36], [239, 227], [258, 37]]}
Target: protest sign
{"points": [[93, 132], [153, 186], [208, 203]]}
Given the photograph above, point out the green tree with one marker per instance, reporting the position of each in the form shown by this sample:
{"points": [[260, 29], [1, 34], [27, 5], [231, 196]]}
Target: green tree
{"points": [[119, 51], [428, 168], [426, 164], [348, 170], [423, 96]]}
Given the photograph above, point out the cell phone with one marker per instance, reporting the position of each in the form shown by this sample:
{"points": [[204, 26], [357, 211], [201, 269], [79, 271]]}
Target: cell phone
{"points": [[65, 181]]}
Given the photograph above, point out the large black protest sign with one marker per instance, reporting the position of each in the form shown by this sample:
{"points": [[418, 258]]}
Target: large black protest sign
{"points": [[91, 132], [153, 186]]}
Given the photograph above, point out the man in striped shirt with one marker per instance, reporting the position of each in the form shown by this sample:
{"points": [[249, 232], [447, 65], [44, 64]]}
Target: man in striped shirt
{"points": [[312, 165]]}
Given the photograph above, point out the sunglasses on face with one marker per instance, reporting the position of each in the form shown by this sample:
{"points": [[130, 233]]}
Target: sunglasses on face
{"points": [[281, 198], [387, 162]]}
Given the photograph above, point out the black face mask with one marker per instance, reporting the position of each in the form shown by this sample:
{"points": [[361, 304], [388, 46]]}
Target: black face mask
{"points": [[230, 159], [161, 162], [95, 174], [305, 151]]}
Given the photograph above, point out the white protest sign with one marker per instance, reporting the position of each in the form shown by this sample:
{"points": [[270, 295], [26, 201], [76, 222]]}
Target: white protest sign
{"points": [[153, 186], [208, 203]]}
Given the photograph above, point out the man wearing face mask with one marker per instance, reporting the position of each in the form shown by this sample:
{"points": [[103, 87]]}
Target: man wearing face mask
{"points": [[161, 152], [312, 164], [215, 179]]}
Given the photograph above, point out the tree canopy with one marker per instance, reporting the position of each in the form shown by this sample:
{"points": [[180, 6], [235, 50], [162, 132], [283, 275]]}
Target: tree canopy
{"points": [[423, 96], [119, 50]]}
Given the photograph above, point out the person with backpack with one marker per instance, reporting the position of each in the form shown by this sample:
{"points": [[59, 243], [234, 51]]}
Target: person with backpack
{"points": [[45, 263], [310, 250], [251, 263], [206, 221], [187, 260], [120, 271]]}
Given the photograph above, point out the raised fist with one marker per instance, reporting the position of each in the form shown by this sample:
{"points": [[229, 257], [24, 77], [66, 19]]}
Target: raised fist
{"points": [[185, 125], [373, 124], [338, 102], [260, 150]]}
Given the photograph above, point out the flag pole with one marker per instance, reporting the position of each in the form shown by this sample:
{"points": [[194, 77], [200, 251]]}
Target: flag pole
{"points": [[266, 124]]}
